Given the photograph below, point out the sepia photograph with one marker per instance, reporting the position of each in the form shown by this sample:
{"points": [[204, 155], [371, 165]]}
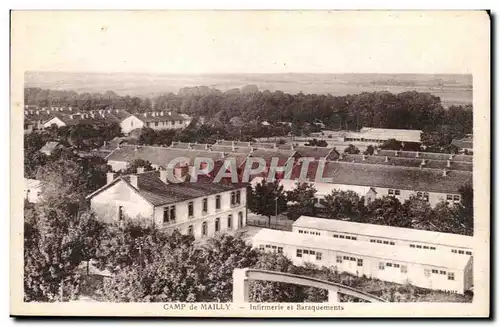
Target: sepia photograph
{"points": [[250, 163]]}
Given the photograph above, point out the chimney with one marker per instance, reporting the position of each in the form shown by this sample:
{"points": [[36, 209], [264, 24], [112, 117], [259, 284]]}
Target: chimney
{"points": [[341, 156], [206, 146], [223, 154], [417, 154], [140, 170], [70, 109], [170, 113], [251, 149], [162, 113], [445, 172], [110, 177], [136, 148], [448, 163], [233, 148], [48, 112], [109, 111], [163, 176], [190, 147], [422, 163], [275, 145], [386, 159], [396, 153], [133, 180], [145, 114], [181, 171], [451, 156], [375, 151], [364, 157], [70, 116]]}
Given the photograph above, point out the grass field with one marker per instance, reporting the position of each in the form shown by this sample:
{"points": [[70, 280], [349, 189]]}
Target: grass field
{"points": [[452, 89]]}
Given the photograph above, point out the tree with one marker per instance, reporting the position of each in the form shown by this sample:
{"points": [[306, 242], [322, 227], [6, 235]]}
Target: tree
{"points": [[388, 211], [351, 149], [391, 144], [222, 254], [303, 201], [138, 163], [343, 204], [315, 142], [267, 199], [420, 213], [370, 150], [263, 291], [56, 242]]}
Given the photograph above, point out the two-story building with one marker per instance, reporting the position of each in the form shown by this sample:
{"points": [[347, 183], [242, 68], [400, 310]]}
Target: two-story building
{"points": [[200, 209], [157, 120]]}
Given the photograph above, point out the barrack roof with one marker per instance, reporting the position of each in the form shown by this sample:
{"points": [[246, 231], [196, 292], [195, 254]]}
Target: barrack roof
{"points": [[383, 252], [407, 234]]}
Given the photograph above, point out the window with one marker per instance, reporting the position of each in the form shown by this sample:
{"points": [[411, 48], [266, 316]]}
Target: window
{"points": [[391, 192], [312, 252], [442, 272], [268, 246], [449, 197], [280, 249], [456, 198], [453, 251], [372, 241], [233, 198], [379, 241], [300, 231], [352, 259], [460, 251], [318, 256], [190, 209], [412, 245], [240, 219], [347, 237], [299, 253], [261, 247], [205, 205], [388, 264], [352, 238], [305, 251], [397, 192], [360, 262], [190, 230], [468, 252], [427, 272], [386, 242], [392, 243], [166, 216], [229, 221], [120, 213], [335, 235], [396, 265], [433, 248], [217, 202], [238, 197], [451, 276], [339, 259], [404, 269], [381, 266], [419, 246], [341, 236], [419, 194], [204, 228], [426, 196], [426, 247], [217, 224], [435, 271], [346, 258]]}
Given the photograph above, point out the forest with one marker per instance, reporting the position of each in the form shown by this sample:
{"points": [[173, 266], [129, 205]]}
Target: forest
{"points": [[406, 110]]}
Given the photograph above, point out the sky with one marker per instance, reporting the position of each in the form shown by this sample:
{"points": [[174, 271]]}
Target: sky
{"points": [[195, 42]]}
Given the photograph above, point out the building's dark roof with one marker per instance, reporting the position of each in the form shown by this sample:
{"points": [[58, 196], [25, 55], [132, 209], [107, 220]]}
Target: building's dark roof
{"points": [[407, 162], [268, 154], [425, 155], [159, 193], [397, 177], [313, 152], [161, 156], [191, 146]]}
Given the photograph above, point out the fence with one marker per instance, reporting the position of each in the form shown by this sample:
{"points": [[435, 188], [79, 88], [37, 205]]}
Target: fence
{"points": [[265, 224]]}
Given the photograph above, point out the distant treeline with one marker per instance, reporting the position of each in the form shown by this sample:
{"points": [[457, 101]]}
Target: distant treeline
{"points": [[407, 110]]}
